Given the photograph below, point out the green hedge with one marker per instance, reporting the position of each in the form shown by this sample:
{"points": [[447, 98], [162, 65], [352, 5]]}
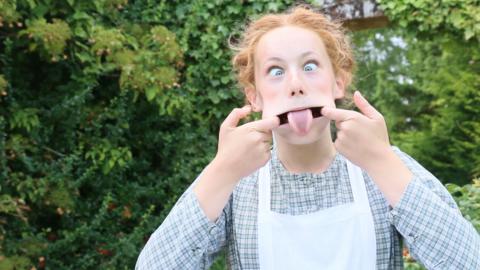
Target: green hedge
{"points": [[105, 118]]}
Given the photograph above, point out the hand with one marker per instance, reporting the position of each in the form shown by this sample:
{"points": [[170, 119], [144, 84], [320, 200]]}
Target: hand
{"points": [[361, 137], [244, 149]]}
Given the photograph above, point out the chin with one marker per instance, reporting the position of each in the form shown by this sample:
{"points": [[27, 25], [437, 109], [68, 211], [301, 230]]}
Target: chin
{"points": [[319, 127]]}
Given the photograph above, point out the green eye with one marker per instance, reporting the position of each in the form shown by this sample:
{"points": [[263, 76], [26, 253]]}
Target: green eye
{"points": [[275, 71], [310, 67]]}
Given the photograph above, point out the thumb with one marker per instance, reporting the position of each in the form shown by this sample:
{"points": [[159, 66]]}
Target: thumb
{"points": [[365, 107]]}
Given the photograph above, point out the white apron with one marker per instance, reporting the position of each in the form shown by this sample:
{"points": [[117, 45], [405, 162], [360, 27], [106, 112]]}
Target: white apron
{"points": [[337, 238]]}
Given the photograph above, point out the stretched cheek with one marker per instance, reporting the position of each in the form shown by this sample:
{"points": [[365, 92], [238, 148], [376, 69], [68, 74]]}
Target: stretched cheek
{"points": [[322, 84], [268, 109], [268, 96]]}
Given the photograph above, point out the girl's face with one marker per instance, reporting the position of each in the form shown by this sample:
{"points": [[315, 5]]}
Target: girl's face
{"points": [[293, 72]]}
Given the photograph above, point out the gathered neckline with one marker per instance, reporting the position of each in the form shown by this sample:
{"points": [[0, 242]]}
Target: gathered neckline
{"points": [[280, 169]]}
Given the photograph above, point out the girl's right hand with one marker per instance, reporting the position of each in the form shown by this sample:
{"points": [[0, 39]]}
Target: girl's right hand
{"points": [[244, 149]]}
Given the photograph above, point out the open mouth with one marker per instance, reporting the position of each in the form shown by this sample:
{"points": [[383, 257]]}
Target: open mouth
{"points": [[316, 112]]}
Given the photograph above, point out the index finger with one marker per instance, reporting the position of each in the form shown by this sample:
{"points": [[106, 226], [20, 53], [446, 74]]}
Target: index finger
{"points": [[264, 125], [338, 114], [235, 115]]}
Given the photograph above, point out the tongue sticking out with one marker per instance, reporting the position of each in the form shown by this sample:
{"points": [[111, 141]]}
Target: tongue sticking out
{"points": [[300, 121]]}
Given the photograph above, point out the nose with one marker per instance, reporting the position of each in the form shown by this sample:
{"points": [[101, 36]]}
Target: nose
{"points": [[296, 87], [297, 92]]}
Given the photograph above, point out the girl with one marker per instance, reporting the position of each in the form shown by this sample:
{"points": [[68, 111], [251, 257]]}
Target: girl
{"points": [[308, 203]]}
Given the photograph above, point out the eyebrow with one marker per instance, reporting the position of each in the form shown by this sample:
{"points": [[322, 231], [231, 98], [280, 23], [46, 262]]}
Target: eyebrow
{"points": [[280, 59]]}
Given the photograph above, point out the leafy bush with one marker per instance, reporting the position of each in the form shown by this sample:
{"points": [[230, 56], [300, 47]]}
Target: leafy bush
{"points": [[468, 200], [108, 110], [422, 74]]}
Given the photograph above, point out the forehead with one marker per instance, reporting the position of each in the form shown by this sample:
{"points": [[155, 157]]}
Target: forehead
{"points": [[289, 42]]}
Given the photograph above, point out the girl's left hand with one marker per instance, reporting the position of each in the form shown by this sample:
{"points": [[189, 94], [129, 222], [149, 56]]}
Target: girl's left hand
{"points": [[361, 137]]}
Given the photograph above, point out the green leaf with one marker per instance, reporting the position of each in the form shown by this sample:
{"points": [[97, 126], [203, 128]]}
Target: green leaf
{"points": [[469, 33], [225, 79], [150, 92]]}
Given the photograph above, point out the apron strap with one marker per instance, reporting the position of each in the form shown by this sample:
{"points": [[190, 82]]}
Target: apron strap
{"points": [[264, 188], [357, 183], [264, 234]]}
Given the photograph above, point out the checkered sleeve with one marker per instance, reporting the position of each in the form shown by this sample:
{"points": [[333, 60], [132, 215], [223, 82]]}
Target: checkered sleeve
{"points": [[431, 224], [186, 239]]}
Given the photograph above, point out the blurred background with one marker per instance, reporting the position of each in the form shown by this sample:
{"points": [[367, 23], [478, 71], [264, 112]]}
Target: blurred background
{"points": [[109, 109]]}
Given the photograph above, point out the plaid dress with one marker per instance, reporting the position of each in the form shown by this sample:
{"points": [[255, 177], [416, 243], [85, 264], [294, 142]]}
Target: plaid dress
{"points": [[426, 219]]}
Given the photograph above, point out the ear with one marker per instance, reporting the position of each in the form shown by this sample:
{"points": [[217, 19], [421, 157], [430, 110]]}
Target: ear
{"points": [[254, 99], [339, 88]]}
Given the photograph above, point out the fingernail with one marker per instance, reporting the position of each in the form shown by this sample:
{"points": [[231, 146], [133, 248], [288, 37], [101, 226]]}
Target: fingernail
{"points": [[360, 94]]}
